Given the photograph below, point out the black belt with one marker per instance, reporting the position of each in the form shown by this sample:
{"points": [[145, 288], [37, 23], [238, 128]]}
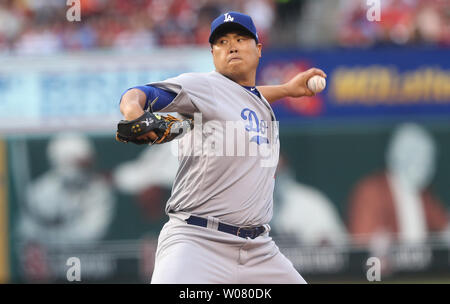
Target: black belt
{"points": [[243, 232]]}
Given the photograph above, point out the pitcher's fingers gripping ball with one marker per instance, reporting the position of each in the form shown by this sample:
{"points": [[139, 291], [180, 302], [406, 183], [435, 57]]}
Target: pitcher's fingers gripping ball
{"points": [[316, 83], [166, 129]]}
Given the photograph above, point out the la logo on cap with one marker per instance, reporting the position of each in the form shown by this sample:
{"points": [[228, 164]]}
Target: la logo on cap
{"points": [[228, 18]]}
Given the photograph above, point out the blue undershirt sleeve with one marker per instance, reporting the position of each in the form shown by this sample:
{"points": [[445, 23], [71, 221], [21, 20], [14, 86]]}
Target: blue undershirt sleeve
{"points": [[163, 97]]}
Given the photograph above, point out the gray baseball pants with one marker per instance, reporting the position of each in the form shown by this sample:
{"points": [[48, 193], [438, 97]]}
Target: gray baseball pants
{"points": [[189, 254]]}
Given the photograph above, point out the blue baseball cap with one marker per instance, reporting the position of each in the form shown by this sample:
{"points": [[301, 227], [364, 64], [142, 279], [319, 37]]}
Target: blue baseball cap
{"points": [[233, 20]]}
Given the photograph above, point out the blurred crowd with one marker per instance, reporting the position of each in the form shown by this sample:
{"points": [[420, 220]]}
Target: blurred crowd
{"points": [[362, 23], [402, 22], [30, 26], [40, 26]]}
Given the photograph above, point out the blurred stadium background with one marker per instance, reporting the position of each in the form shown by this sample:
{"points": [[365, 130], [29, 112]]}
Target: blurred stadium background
{"points": [[365, 168]]}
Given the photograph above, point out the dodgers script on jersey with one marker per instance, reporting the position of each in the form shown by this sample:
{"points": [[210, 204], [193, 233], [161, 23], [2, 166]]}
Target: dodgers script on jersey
{"points": [[228, 161]]}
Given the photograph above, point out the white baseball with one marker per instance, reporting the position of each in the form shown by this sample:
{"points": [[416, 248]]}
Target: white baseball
{"points": [[316, 83]]}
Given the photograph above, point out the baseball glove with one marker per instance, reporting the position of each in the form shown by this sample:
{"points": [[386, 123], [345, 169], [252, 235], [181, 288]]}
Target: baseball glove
{"points": [[166, 128]]}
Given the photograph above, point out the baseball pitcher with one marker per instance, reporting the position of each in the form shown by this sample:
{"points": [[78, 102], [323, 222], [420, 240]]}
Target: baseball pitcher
{"points": [[222, 196]]}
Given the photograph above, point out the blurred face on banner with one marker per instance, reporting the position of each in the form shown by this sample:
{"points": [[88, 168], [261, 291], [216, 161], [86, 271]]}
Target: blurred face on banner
{"points": [[236, 55], [71, 156], [411, 156]]}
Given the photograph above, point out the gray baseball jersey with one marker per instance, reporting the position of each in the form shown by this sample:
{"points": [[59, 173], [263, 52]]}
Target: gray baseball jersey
{"points": [[227, 166], [224, 174]]}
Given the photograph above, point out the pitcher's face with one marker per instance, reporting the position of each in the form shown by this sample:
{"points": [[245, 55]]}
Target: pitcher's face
{"points": [[236, 55]]}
